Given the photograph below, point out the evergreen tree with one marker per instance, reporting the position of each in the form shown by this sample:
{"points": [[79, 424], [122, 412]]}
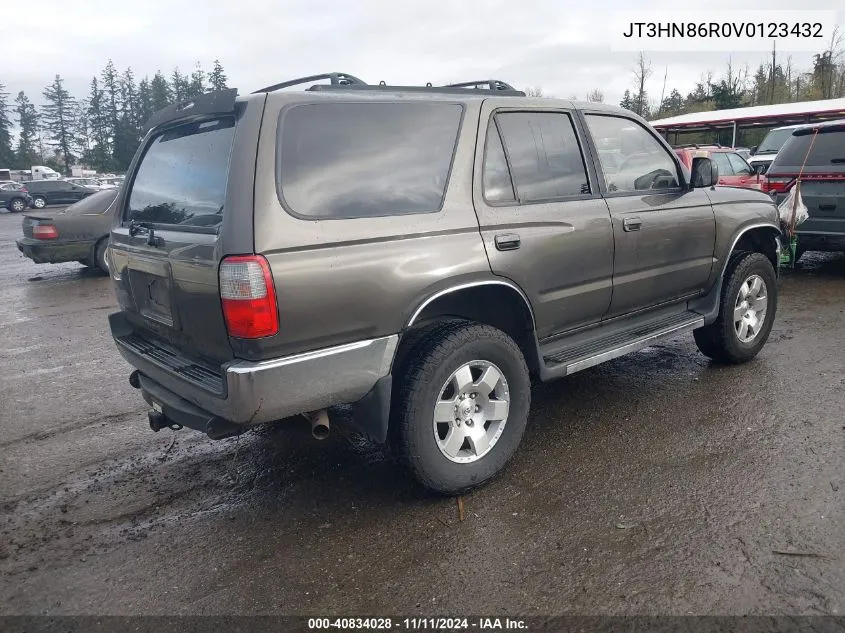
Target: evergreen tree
{"points": [[672, 105], [145, 101], [101, 150], [126, 135], [217, 78], [58, 116], [196, 86], [26, 154], [111, 106], [7, 156], [179, 86], [83, 131], [627, 101], [160, 92]]}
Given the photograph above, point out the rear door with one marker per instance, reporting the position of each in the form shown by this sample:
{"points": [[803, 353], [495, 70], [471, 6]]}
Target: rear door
{"points": [[544, 223], [727, 176], [177, 217]]}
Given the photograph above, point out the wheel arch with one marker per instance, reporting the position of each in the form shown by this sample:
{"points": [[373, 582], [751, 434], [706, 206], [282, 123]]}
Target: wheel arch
{"points": [[499, 303]]}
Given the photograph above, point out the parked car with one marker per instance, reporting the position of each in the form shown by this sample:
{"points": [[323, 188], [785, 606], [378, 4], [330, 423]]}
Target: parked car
{"points": [[78, 233], [734, 170], [111, 181], [46, 192], [822, 182], [92, 183], [763, 155], [418, 253], [14, 197]]}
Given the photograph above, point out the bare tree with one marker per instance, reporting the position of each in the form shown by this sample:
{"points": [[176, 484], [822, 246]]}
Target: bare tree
{"points": [[641, 74], [533, 91], [595, 96]]}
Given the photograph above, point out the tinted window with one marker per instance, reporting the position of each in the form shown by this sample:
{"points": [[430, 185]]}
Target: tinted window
{"points": [[182, 176], [721, 160], [828, 151], [353, 160], [498, 186], [639, 161], [545, 159], [774, 140], [739, 165]]}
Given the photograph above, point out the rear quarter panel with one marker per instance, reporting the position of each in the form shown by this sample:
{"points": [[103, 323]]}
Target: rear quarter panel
{"points": [[343, 280]]}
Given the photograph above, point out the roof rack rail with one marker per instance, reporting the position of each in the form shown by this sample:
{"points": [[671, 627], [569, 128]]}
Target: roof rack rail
{"points": [[489, 84], [337, 79]]}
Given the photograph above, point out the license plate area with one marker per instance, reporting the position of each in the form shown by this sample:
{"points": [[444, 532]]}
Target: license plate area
{"points": [[152, 296]]}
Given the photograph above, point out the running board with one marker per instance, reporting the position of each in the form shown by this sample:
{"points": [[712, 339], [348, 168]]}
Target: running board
{"points": [[598, 349]]}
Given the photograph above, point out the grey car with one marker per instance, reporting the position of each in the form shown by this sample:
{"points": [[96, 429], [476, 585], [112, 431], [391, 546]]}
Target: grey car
{"points": [[418, 253], [79, 233], [14, 197]]}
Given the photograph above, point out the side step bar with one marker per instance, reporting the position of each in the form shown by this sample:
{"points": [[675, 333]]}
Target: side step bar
{"points": [[568, 359]]}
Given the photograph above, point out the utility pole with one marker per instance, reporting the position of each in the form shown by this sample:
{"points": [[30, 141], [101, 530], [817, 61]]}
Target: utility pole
{"points": [[772, 98]]}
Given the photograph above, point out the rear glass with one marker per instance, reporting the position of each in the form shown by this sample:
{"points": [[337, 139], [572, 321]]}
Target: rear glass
{"points": [[356, 160], [774, 140], [182, 176], [828, 151]]}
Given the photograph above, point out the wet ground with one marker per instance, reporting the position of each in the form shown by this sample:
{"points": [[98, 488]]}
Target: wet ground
{"points": [[657, 483]]}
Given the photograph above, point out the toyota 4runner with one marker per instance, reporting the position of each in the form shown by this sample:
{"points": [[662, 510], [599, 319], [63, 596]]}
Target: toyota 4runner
{"points": [[418, 253]]}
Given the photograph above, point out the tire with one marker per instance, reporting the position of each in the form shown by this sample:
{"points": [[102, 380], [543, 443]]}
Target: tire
{"points": [[491, 431], [722, 340], [39, 202], [100, 259], [17, 205]]}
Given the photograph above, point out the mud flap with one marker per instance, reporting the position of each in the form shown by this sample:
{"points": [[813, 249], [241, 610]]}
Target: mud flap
{"points": [[371, 414]]}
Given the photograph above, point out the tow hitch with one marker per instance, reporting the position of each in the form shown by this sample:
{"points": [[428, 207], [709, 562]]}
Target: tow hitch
{"points": [[158, 421]]}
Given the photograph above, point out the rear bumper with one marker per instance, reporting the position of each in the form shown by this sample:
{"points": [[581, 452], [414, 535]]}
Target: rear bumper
{"points": [[821, 240], [43, 252], [255, 392]]}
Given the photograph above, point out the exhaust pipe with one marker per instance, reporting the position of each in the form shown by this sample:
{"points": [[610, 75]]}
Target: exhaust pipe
{"points": [[319, 424]]}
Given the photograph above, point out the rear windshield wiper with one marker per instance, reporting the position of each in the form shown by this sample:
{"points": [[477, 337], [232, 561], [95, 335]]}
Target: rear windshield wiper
{"points": [[838, 161]]}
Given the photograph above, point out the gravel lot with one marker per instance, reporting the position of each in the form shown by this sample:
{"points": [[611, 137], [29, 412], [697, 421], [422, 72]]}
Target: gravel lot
{"points": [[654, 484]]}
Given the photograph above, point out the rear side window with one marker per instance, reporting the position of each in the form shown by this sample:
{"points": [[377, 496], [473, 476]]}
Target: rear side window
{"points": [[828, 150], [498, 186], [721, 160], [358, 160], [739, 165], [182, 177], [544, 156]]}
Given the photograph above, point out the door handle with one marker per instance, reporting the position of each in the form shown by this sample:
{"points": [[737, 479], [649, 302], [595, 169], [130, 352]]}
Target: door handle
{"points": [[631, 224], [827, 207], [507, 241]]}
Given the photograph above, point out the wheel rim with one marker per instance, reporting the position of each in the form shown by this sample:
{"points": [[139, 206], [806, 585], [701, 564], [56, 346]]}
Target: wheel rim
{"points": [[752, 303], [471, 411], [39, 203], [17, 205]]}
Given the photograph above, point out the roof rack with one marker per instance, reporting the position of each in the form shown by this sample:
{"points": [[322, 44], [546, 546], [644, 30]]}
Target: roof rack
{"points": [[345, 81], [337, 79], [490, 84]]}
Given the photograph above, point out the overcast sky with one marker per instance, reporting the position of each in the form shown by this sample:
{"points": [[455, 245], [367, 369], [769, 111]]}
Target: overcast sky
{"points": [[562, 46]]}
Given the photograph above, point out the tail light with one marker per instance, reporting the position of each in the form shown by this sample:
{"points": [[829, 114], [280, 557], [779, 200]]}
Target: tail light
{"points": [[775, 184], [248, 297], [45, 232]]}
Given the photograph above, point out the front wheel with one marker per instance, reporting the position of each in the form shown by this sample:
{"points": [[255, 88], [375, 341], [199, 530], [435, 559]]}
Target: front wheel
{"points": [[38, 202], [100, 255], [746, 311], [17, 205], [461, 405]]}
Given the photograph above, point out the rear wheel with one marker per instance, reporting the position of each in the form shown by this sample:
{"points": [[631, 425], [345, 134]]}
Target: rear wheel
{"points": [[461, 405], [17, 205], [38, 202], [746, 312], [100, 259]]}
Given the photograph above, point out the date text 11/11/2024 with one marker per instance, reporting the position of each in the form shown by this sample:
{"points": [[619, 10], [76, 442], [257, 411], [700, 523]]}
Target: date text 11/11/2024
{"points": [[418, 624]]}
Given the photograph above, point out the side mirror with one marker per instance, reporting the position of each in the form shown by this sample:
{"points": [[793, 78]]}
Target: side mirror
{"points": [[705, 173], [754, 150]]}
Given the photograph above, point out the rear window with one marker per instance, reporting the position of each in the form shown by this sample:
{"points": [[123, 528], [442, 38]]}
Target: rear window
{"points": [[827, 151], [182, 177], [357, 160]]}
